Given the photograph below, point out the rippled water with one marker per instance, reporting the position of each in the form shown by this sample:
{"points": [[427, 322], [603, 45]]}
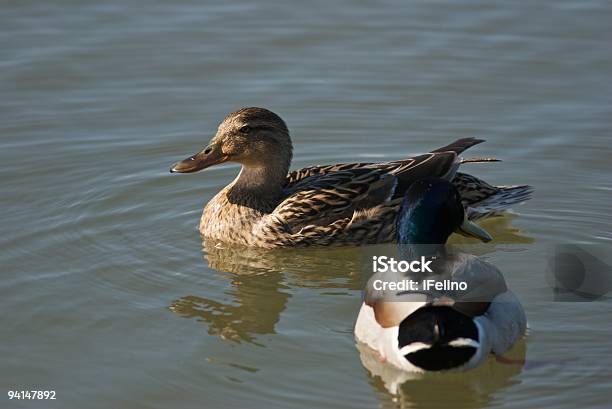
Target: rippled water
{"points": [[106, 294]]}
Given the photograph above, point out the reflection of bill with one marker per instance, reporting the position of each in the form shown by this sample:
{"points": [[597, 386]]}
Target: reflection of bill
{"points": [[576, 274]]}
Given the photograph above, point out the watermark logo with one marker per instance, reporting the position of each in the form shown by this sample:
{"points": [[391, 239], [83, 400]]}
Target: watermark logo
{"points": [[385, 264], [406, 273], [419, 285]]}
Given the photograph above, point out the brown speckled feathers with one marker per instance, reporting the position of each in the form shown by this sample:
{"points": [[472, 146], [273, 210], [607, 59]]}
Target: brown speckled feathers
{"points": [[357, 203], [344, 204]]}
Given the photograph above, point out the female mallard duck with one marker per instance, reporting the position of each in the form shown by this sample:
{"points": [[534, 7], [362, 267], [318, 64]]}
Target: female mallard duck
{"points": [[427, 330], [344, 204]]}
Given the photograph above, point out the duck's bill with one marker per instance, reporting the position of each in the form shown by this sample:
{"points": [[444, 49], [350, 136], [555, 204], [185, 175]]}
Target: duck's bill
{"points": [[206, 158], [471, 229]]}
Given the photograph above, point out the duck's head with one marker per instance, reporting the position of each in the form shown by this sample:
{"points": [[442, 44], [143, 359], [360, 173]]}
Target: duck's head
{"points": [[431, 212], [253, 137]]}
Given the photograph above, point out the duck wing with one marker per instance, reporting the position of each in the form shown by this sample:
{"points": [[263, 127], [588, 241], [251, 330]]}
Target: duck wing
{"points": [[355, 202], [406, 171], [334, 196], [442, 162], [300, 175], [321, 195]]}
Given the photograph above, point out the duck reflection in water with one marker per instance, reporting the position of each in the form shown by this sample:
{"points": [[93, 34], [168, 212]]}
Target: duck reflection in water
{"points": [[472, 389], [260, 282], [259, 301]]}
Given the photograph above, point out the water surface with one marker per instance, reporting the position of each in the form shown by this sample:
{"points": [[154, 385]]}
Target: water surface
{"points": [[106, 294]]}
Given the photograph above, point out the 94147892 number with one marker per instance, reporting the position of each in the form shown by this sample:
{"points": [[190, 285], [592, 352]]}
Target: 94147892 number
{"points": [[31, 394]]}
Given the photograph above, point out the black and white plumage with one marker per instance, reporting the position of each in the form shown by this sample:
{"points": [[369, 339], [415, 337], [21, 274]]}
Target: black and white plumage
{"points": [[426, 330], [441, 333]]}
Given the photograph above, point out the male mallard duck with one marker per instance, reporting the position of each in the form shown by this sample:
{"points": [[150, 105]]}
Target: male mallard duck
{"points": [[344, 204], [423, 329]]}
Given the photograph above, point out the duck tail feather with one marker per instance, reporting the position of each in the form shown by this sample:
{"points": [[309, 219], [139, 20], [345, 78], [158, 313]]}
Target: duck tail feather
{"points": [[459, 145], [478, 160], [482, 199], [503, 199]]}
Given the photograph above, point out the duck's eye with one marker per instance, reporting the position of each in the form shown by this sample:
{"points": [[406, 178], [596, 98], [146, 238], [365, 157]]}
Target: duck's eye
{"points": [[245, 129]]}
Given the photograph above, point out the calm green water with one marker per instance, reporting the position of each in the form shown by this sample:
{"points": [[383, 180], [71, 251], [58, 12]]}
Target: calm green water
{"points": [[106, 294]]}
